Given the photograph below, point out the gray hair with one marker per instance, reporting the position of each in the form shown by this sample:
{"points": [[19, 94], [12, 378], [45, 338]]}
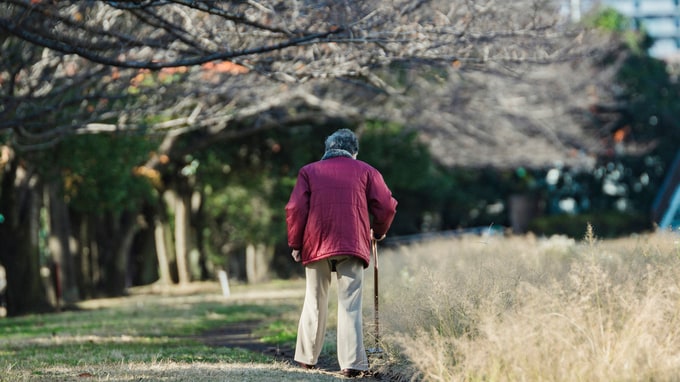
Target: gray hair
{"points": [[343, 139]]}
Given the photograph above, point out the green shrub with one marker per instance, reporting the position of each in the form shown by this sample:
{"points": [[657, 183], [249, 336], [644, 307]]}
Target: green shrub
{"points": [[606, 224]]}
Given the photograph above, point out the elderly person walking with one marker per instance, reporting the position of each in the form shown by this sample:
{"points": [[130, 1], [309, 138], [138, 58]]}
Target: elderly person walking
{"points": [[329, 231]]}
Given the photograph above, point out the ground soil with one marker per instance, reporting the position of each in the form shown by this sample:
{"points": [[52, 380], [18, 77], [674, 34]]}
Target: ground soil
{"points": [[241, 335]]}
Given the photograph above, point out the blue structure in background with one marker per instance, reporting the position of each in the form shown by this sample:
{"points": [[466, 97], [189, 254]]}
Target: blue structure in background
{"points": [[660, 18], [666, 208]]}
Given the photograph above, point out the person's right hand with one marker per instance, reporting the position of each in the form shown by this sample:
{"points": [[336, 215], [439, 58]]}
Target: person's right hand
{"points": [[376, 239], [296, 255]]}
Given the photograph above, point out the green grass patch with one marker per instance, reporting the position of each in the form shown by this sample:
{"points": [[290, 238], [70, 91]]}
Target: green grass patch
{"points": [[147, 320], [140, 329], [279, 333]]}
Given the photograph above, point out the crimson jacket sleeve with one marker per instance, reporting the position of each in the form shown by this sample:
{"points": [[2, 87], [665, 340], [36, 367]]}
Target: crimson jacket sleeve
{"points": [[297, 209], [381, 204]]}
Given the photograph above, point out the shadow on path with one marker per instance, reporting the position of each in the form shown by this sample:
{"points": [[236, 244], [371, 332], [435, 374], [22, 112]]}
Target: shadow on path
{"points": [[240, 335]]}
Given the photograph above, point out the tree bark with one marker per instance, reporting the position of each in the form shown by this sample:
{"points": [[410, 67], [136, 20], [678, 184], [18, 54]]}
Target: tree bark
{"points": [[59, 242], [129, 230], [161, 250], [205, 268], [20, 205], [84, 272], [116, 234], [182, 211], [523, 208], [258, 258]]}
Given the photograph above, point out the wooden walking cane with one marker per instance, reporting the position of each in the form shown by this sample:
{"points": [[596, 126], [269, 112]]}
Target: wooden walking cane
{"points": [[376, 314]]}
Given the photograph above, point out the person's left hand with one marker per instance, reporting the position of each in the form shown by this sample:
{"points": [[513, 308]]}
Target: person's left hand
{"points": [[296, 255]]}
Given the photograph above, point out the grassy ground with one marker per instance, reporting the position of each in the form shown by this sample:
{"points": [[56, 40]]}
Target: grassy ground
{"points": [[159, 336], [465, 309]]}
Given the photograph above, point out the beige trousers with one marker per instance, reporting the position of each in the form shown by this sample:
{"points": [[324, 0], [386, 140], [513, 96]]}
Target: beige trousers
{"points": [[312, 327]]}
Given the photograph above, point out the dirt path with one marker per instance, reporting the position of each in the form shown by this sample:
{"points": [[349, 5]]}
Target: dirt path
{"points": [[241, 335]]}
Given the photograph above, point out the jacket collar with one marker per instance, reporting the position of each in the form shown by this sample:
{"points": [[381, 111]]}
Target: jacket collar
{"points": [[334, 153]]}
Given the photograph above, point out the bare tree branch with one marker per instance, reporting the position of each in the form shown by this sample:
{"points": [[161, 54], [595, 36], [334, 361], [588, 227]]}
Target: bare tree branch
{"points": [[447, 68]]}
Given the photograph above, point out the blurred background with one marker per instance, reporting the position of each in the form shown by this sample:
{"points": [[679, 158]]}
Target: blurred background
{"points": [[143, 143]]}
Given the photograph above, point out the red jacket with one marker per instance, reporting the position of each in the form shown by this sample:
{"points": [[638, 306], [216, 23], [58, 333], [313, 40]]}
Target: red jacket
{"points": [[329, 210]]}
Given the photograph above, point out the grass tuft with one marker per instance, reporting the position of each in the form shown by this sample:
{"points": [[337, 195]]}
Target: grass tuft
{"points": [[526, 308]]}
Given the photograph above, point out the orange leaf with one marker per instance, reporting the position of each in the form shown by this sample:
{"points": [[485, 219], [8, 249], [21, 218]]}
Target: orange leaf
{"points": [[230, 67]]}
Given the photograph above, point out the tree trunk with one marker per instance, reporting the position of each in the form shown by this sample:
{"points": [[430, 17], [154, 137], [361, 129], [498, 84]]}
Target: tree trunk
{"points": [[523, 208], [128, 232], [20, 206], [200, 266], [115, 241], [258, 258], [161, 250], [59, 242], [182, 214], [83, 255], [206, 265]]}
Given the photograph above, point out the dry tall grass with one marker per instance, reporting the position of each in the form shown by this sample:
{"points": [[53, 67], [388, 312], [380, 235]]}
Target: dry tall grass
{"points": [[530, 309]]}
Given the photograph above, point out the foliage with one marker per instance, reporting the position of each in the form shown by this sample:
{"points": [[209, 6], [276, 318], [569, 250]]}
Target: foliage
{"points": [[609, 224], [420, 185], [97, 171], [398, 154], [650, 96], [477, 198], [247, 183], [609, 19], [644, 93], [636, 119]]}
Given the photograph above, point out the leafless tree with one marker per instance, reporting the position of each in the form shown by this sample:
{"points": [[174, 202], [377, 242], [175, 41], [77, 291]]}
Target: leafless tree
{"points": [[241, 59]]}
